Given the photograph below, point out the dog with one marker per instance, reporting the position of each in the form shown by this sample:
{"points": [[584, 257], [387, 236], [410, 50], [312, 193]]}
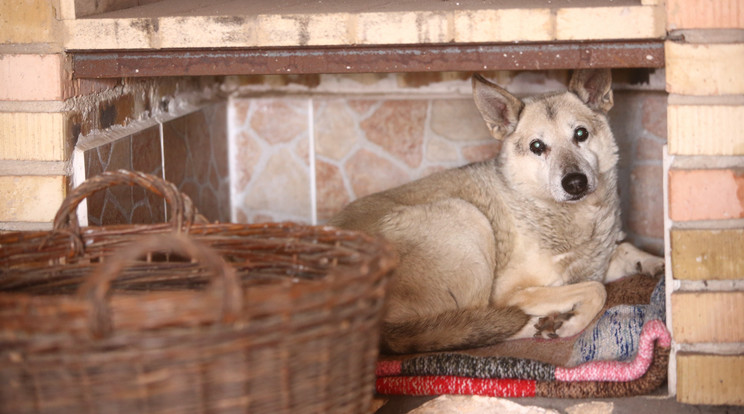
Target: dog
{"points": [[513, 247]]}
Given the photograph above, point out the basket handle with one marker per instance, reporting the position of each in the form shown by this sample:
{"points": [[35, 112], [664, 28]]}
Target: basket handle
{"points": [[182, 211], [225, 283]]}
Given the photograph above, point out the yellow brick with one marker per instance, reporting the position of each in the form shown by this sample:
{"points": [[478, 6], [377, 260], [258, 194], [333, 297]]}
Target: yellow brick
{"points": [[704, 69], [403, 27], [505, 25], [707, 254], [28, 21], [705, 129], [102, 33], [30, 198], [632, 22], [710, 379], [34, 136], [700, 317]]}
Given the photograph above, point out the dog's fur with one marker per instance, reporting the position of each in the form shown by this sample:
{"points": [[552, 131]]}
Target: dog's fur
{"points": [[512, 247]]}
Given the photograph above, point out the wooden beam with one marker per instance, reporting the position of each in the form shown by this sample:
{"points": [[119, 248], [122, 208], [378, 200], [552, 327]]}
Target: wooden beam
{"points": [[369, 59]]}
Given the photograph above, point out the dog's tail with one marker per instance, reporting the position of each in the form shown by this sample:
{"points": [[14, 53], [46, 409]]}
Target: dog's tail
{"points": [[456, 329]]}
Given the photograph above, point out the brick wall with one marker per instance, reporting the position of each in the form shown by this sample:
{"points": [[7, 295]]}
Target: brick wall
{"points": [[705, 193], [34, 137], [44, 114], [332, 145]]}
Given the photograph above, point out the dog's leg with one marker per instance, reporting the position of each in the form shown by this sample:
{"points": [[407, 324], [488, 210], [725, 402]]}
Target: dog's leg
{"points": [[628, 259], [559, 311]]}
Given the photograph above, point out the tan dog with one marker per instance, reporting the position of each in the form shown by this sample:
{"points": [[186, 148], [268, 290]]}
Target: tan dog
{"points": [[513, 247]]}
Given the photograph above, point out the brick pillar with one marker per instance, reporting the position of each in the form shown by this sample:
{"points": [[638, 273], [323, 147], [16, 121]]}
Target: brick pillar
{"points": [[35, 138], [705, 195]]}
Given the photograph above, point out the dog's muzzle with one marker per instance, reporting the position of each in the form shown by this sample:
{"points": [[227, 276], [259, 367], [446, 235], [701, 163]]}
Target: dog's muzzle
{"points": [[575, 184]]}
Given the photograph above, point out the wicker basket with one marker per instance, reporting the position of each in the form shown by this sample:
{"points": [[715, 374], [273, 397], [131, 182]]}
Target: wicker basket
{"points": [[269, 318]]}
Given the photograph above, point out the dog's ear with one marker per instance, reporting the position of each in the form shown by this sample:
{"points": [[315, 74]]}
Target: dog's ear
{"points": [[499, 108], [594, 87]]}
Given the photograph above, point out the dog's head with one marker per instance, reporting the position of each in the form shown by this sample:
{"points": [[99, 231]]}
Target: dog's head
{"points": [[556, 146]]}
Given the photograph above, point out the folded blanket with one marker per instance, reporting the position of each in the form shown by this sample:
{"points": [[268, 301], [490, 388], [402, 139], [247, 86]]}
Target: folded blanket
{"points": [[624, 352], [615, 335]]}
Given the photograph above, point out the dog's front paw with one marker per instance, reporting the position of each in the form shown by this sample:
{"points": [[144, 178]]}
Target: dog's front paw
{"points": [[652, 266], [548, 326]]}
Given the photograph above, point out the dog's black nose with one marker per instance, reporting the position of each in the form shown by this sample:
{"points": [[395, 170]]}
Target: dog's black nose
{"points": [[575, 183]]}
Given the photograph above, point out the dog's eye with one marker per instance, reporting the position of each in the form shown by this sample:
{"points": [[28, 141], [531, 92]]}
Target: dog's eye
{"points": [[580, 134], [538, 147]]}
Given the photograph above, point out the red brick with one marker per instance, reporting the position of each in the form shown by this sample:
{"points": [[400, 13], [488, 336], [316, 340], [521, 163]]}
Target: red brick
{"points": [[706, 194], [32, 77], [705, 14]]}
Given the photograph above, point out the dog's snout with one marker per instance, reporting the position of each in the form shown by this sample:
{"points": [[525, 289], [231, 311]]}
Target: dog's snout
{"points": [[575, 184]]}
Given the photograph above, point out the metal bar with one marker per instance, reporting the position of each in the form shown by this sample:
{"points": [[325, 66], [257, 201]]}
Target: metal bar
{"points": [[367, 59]]}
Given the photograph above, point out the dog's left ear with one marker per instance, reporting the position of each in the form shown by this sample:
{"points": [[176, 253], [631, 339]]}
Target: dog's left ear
{"points": [[594, 87]]}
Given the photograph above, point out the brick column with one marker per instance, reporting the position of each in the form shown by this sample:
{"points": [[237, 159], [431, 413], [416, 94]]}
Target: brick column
{"points": [[705, 195], [35, 138]]}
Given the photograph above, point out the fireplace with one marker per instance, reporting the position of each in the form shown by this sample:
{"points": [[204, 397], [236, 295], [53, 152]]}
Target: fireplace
{"points": [[286, 112]]}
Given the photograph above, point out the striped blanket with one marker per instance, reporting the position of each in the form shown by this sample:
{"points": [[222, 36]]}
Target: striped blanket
{"points": [[623, 352]]}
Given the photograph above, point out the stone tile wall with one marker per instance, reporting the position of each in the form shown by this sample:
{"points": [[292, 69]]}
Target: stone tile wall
{"points": [[123, 204], [359, 146], [304, 157], [195, 159], [193, 156]]}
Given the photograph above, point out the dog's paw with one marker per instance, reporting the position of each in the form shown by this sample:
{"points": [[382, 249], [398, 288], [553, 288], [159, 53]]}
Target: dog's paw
{"points": [[548, 326], [652, 266]]}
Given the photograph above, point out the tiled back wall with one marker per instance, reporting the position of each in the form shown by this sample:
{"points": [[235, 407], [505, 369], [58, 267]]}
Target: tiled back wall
{"points": [[359, 146], [189, 151], [302, 158]]}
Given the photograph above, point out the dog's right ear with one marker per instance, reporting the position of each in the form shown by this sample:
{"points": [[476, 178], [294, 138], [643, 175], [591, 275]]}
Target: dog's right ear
{"points": [[499, 108], [594, 87]]}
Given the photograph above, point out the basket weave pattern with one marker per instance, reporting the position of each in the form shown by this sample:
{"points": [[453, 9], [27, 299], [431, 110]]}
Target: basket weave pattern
{"points": [[267, 318]]}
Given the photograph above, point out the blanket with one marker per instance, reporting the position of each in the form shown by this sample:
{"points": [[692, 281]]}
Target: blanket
{"points": [[623, 352]]}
